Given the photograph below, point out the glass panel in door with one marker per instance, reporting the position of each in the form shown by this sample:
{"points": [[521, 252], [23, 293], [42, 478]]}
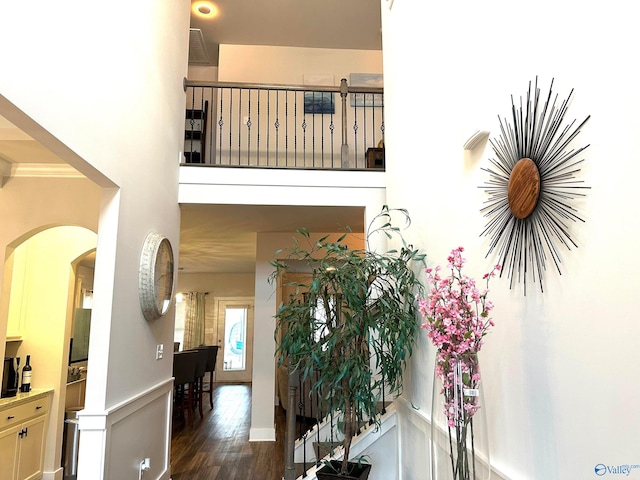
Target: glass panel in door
{"points": [[235, 337]]}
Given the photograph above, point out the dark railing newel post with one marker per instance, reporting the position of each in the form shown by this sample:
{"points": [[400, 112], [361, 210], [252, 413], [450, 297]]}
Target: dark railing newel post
{"points": [[290, 437]]}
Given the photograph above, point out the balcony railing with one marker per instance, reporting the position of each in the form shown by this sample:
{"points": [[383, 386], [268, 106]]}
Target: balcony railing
{"points": [[284, 126]]}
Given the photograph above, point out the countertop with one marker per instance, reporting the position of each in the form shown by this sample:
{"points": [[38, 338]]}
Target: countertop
{"points": [[21, 398]]}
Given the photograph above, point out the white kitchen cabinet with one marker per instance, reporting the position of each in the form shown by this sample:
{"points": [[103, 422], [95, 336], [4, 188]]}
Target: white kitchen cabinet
{"points": [[8, 452], [23, 425]]}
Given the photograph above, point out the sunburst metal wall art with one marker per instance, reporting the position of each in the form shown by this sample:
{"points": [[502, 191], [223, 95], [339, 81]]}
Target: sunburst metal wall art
{"points": [[531, 187]]}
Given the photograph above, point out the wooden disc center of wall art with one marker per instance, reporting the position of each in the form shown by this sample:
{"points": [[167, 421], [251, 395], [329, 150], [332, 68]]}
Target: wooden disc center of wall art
{"points": [[524, 188]]}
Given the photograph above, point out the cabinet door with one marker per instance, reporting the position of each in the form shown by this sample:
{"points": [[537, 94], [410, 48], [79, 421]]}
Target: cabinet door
{"points": [[9, 452], [31, 455]]}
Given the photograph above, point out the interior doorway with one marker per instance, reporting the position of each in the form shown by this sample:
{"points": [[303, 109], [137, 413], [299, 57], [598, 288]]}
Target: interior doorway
{"points": [[234, 336]]}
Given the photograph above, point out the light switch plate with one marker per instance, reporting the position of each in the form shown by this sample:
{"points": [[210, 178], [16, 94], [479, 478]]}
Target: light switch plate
{"points": [[159, 351]]}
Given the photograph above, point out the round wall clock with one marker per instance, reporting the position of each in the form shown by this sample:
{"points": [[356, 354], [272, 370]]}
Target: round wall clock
{"points": [[155, 276], [532, 187]]}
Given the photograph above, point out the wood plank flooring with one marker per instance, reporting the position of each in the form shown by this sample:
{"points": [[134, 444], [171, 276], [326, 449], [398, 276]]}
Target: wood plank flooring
{"points": [[217, 447]]}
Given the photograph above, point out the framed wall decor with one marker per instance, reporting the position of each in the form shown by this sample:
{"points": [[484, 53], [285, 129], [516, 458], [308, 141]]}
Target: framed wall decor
{"points": [[373, 80], [533, 186], [319, 102]]}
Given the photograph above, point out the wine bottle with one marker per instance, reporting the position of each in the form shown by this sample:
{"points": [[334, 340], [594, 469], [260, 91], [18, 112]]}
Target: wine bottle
{"points": [[26, 376]]}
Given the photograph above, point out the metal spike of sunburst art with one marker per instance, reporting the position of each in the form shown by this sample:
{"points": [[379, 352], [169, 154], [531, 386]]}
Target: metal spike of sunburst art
{"points": [[531, 186]]}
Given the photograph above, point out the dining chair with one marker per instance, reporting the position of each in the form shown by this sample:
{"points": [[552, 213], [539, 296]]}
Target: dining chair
{"points": [[184, 380], [201, 368], [212, 356]]}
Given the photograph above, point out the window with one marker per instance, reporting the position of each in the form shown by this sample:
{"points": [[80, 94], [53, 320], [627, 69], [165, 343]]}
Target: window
{"points": [[178, 332]]}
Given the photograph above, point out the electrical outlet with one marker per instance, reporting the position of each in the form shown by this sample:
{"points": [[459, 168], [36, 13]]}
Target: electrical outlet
{"points": [[159, 351]]}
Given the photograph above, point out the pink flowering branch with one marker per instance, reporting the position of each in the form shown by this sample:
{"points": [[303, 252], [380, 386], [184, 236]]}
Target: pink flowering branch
{"points": [[456, 312], [456, 320]]}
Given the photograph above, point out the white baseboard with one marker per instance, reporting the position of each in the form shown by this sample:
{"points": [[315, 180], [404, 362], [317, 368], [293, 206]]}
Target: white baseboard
{"points": [[262, 434], [55, 475]]}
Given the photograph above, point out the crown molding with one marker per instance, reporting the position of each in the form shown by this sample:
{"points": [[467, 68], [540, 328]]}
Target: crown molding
{"points": [[5, 171], [49, 170]]}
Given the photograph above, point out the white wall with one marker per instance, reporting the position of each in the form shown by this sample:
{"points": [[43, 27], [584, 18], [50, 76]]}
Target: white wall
{"points": [[288, 65], [101, 84], [560, 367], [206, 74]]}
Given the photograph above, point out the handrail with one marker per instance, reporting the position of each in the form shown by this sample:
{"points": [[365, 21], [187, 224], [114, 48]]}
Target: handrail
{"points": [[276, 86]]}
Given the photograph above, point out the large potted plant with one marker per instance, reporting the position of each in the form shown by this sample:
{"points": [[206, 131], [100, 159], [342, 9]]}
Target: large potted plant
{"points": [[352, 324]]}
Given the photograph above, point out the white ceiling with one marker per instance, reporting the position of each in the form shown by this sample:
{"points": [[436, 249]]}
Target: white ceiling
{"points": [[335, 24], [222, 238]]}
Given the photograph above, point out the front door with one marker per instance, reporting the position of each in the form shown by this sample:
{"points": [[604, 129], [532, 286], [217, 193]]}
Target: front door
{"points": [[235, 338]]}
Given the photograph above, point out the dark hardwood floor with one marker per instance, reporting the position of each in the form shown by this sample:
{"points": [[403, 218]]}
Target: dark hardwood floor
{"points": [[217, 447]]}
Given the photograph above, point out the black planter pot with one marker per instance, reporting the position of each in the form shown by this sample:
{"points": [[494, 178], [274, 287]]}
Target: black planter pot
{"points": [[355, 471]]}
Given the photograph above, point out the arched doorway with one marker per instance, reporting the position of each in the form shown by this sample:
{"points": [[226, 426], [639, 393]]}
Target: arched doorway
{"points": [[38, 298]]}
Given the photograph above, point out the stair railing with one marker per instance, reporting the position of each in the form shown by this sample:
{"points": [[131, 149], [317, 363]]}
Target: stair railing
{"points": [[300, 427]]}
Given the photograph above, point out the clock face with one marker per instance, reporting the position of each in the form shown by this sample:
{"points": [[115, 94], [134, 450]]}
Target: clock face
{"points": [[155, 276]]}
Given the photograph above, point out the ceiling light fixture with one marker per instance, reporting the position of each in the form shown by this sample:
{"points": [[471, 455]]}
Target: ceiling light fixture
{"points": [[205, 9]]}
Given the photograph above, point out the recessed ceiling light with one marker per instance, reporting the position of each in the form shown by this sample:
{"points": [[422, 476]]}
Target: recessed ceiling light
{"points": [[205, 9]]}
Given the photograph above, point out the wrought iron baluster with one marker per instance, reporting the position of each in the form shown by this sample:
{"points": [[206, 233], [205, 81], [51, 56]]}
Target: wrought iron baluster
{"points": [[344, 148], [240, 90], [192, 123], [313, 134], [258, 134], [331, 136], [220, 125], [286, 128], [364, 132], [277, 125], [268, 123], [295, 130], [208, 130], [230, 117], [322, 142], [304, 138], [355, 135], [249, 129]]}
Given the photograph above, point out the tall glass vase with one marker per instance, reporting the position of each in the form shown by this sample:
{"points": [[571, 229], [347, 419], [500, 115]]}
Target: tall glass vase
{"points": [[459, 442]]}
